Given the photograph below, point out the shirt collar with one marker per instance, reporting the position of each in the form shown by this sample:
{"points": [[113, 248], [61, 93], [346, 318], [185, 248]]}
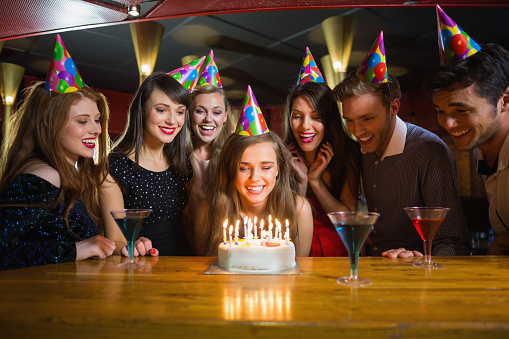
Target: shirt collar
{"points": [[502, 160], [397, 143]]}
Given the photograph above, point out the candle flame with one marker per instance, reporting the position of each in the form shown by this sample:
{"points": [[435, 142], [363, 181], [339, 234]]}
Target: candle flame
{"points": [[225, 224]]}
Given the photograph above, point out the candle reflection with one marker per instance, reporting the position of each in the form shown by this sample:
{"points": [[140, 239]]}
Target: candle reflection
{"points": [[260, 303]]}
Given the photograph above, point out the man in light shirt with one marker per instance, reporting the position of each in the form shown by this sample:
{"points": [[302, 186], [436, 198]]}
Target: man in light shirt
{"points": [[471, 97]]}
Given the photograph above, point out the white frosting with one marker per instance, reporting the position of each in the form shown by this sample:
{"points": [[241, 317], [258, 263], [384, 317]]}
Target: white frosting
{"points": [[255, 256]]}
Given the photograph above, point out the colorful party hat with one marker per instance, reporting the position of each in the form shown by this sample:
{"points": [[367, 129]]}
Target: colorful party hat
{"points": [[453, 43], [309, 71], [374, 68], [251, 121], [188, 74], [63, 77], [209, 74]]}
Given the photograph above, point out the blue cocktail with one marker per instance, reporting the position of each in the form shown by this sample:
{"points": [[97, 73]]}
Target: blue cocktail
{"points": [[129, 221], [353, 228]]}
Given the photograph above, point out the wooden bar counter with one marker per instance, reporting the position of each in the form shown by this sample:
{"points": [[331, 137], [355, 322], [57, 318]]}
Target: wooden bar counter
{"points": [[171, 297]]}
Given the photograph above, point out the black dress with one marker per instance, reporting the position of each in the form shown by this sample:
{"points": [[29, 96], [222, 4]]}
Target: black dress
{"points": [[34, 234], [164, 192]]}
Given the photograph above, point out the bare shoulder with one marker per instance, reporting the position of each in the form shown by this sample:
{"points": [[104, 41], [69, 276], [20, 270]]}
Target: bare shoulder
{"points": [[303, 204], [44, 171]]}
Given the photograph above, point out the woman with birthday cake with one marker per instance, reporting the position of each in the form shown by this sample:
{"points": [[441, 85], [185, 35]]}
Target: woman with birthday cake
{"points": [[326, 160], [255, 185]]}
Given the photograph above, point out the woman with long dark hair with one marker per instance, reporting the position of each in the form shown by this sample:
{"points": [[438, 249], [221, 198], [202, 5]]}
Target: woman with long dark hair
{"points": [[326, 159], [149, 168]]}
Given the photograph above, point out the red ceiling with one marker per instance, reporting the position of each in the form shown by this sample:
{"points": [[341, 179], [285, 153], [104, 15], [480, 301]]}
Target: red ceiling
{"points": [[172, 8], [33, 17]]}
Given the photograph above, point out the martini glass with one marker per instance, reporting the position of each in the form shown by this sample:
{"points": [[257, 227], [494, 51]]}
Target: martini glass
{"points": [[353, 228], [427, 220], [129, 221]]}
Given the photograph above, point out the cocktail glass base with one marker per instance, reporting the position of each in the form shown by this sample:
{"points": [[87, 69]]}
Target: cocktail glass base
{"points": [[349, 281], [130, 265], [431, 264]]}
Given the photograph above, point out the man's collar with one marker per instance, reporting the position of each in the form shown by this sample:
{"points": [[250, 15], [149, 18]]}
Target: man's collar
{"points": [[397, 143]]}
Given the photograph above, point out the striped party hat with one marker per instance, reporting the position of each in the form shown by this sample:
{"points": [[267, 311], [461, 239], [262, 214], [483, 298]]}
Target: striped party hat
{"points": [[309, 71]]}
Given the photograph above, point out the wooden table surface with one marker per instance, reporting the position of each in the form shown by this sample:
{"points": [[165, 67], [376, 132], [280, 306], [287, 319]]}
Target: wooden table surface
{"points": [[171, 297]]}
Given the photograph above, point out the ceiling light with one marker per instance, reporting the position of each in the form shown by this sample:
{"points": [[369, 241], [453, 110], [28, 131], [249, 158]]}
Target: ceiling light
{"points": [[337, 66], [9, 100], [145, 69], [134, 10]]}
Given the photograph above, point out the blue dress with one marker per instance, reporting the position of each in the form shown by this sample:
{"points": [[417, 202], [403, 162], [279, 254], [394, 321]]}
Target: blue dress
{"points": [[164, 192], [34, 232]]}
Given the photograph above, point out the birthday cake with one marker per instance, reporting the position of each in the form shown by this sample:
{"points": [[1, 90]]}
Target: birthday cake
{"points": [[255, 255]]}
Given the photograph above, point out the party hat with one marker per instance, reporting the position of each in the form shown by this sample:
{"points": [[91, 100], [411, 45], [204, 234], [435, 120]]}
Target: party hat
{"points": [[188, 74], [373, 68], [453, 43], [251, 121], [63, 77], [209, 74], [309, 71]]}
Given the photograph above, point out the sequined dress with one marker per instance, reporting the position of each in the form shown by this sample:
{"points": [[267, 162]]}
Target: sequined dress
{"points": [[164, 192], [31, 235]]}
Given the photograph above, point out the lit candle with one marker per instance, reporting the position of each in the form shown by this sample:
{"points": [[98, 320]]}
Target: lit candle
{"points": [[255, 235], [231, 230], [287, 235], [237, 233], [287, 229], [245, 228], [270, 233], [261, 227], [224, 231]]}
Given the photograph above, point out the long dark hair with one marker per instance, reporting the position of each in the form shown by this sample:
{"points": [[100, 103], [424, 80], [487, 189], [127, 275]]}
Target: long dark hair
{"points": [[345, 164], [36, 128], [131, 139]]}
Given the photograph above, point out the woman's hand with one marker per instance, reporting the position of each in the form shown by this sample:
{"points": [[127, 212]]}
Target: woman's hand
{"points": [[97, 247], [320, 164], [300, 167], [142, 247]]}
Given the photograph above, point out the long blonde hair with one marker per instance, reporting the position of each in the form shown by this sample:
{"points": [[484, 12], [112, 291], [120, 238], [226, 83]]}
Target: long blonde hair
{"points": [[223, 199], [227, 129], [35, 130]]}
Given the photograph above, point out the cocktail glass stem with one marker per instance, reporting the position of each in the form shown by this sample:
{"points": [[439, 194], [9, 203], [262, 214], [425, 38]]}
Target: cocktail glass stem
{"points": [[427, 251], [130, 250], [354, 264]]}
